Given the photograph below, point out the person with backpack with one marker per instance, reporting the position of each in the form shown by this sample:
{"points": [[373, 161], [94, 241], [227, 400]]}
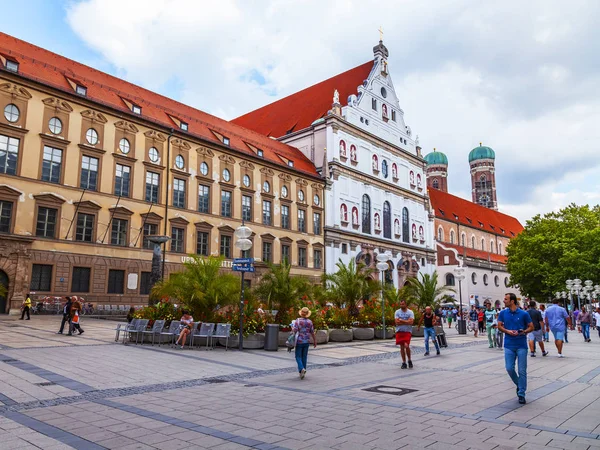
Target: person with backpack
{"points": [[304, 329]]}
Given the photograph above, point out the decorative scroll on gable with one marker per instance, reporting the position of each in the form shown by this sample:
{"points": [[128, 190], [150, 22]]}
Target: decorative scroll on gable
{"points": [[180, 143], [17, 91], [94, 116], [246, 165], [155, 135], [285, 177], [58, 104], [227, 159], [266, 171], [126, 126], [204, 151]]}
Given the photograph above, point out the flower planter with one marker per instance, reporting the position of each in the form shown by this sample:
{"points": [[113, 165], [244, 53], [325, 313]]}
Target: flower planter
{"points": [[418, 331], [253, 341], [322, 336], [340, 335], [363, 334], [390, 333]]}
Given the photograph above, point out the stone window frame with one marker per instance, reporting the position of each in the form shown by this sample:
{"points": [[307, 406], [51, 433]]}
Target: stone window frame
{"points": [[127, 130], [302, 245], [124, 281], [287, 242], [247, 169], [9, 194], [301, 185], [11, 93], [156, 140], [86, 207], [263, 204], [320, 230], [52, 275], [121, 213], [205, 155], [91, 279], [232, 203], [267, 238], [131, 165], [180, 148], [48, 201], [251, 216], [227, 162], [97, 121], [204, 227], [149, 218], [185, 193], [289, 215], [179, 222], [209, 198], [58, 144], [160, 185], [226, 230], [298, 210], [89, 154], [55, 107], [18, 134]]}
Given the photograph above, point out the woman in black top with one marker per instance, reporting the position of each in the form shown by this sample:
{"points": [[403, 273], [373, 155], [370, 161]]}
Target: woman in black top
{"points": [[429, 321]]}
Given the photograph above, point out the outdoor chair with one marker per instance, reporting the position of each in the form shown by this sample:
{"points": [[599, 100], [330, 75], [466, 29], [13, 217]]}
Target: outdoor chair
{"points": [[172, 332], [157, 329], [99, 309], [206, 331], [114, 309], [124, 327], [121, 309], [223, 331], [139, 329], [192, 332]]}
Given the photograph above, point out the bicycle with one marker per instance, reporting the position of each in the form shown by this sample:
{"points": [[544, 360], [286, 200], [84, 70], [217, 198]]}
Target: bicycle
{"points": [[87, 308], [470, 329]]}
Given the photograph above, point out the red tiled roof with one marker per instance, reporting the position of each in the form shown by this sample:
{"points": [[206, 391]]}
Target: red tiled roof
{"points": [[48, 68], [458, 210], [477, 254], [299, 110]]}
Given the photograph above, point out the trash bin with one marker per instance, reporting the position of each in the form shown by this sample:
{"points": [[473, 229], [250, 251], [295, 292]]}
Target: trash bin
{"points": [[272, 337]]}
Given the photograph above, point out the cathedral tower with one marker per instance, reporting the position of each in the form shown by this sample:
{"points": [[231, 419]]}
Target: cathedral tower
{"points": [[437, 170], [483, 176]]}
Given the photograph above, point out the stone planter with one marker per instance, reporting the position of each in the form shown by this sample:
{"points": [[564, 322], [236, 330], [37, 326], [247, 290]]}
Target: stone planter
{"points": [[363, 334], [390, 333], [418, 331], [253, 341], [322, 336], [340, 335]]}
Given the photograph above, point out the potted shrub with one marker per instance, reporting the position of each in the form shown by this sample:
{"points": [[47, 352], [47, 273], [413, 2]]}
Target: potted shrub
{"points": [[340, 325]]}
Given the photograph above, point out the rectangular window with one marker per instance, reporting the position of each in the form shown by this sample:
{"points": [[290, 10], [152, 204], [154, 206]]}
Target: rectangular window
{"points": [[204, 199], [81, 90], [137, 109], [179, 193], [317, 223], [5, 216], [118, 234], [247, 208], [184, 126], [393, 115], [41, 277], [52, 164], [285, 253], [302, 256], [301, 221], [266, 212], [245, 254], [145, 281], [9, 154], [122, 180], [225, 247], [291, 163], [285, 217], [344, 249], [80, 279], [89, 173], [85, 227], [116, 281], [267, 252], [202, 243], [318, 259], [226, 203], [177, 239], [13, 66], [374, 104], [152, 184], [46, 222], [226, 141], [150, 229]]}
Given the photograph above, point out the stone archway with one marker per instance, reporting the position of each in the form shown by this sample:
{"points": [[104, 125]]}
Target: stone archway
{"points": [[3, 299]]}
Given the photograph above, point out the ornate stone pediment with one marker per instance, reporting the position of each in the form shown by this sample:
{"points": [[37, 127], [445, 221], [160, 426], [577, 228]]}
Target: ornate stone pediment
{"points": [[151, 216], [266, 171], [285, 177], [120, 210], [227, 159], [204, 151], [7, 191], [180, 143], [155, 135], [301, 182], [179, 220], [203, 225], [94, 116], [87, 204], [247, 165], [267, 237], [126, 126], [49, 198], [13, 89], [57, 103], [285, 240], [226, 229], [302, 242], [316, 186]]}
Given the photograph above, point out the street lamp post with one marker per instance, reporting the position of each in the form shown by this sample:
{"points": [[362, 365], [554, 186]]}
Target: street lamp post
{"points": [[242, 234], [459, 275], [577, 287], [589, 287], [382, 266]]}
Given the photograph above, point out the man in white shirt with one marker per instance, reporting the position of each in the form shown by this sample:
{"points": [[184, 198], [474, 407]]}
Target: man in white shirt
{"points": [[597, 319]]}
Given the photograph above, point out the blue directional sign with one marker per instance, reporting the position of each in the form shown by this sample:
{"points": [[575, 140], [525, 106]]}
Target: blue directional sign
{"points": [[242, 268], [243, 261]]}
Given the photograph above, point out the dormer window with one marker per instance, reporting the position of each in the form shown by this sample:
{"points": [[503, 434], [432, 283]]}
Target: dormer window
{"points": [[226, 140], [291, 163], [13, 66], [184, 126], [81, 90], [259, 153], [136, 109]]}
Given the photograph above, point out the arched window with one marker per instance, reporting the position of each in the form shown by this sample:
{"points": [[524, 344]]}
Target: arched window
{"points": [[452, 236], [473, 241], [491, 246], [366, 214], [463, 238], [483, 244], [387, 220], [440, 234], [435, 184], [482, 178], [474, 278], [499, 248], [497, 281], [405, 225], [389, 274], [450, 279], [485, 279]]}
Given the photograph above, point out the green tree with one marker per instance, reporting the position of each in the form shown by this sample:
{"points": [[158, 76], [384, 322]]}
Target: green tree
{"points": [[553, 248], [350, 284], [201, 287], [424, 291], [280, 290]]}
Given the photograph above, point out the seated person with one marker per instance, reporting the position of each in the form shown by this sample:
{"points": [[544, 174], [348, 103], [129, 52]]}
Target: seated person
{"points": [[185, 328]]}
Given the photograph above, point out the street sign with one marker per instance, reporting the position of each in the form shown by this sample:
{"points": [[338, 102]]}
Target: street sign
{"points": [[242, 268], [243, 260]]}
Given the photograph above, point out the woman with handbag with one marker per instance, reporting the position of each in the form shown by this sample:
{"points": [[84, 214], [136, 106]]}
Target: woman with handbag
{"points": [[185, 328], [303, 329]]}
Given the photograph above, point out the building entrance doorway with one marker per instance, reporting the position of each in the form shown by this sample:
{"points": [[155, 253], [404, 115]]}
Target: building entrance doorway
{"points": [[3, 291]]}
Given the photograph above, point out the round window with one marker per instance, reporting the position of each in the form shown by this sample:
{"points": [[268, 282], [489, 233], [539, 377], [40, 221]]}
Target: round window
{"points": [[179, 162], [247, 180], [124, 146], [11, 113], [204, 169], [301, 195], [55, 125], [91, 136], [153, 154], [226, 175], [317, 200], [284, 191], [383, 92], [266, 186]]}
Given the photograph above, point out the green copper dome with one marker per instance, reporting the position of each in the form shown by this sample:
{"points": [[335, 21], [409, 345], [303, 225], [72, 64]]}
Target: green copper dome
{"points": [[481, 152], [435, 158]]}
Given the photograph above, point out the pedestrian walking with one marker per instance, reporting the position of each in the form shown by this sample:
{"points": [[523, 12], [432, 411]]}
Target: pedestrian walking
{"points": [[481, 320], [473, 318], [515, 323], [491, 323], [66, 318], [26, 307], [404, 318], [304, 330], [555, 321], [585, 318], [537, 334], [429, 322], [544, 332], [449, 317], [597, 320], [75, 314]]}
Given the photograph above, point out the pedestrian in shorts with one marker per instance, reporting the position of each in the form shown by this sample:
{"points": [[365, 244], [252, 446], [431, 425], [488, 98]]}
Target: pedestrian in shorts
{"points": [[537, 334], [404, 319]]}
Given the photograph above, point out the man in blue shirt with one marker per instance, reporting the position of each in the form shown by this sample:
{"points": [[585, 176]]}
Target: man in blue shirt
{"points": [[515, 323], [555, 320]]}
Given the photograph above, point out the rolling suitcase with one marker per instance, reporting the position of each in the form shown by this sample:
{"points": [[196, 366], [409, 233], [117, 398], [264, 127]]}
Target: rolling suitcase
{"points": [[441, 338]]}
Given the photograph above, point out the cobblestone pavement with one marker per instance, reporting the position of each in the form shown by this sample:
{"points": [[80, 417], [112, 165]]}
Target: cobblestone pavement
{"points": [[88, 392]]}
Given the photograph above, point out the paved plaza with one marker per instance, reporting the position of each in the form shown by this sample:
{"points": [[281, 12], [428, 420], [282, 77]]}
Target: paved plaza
{"points": [[88, 392]]}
